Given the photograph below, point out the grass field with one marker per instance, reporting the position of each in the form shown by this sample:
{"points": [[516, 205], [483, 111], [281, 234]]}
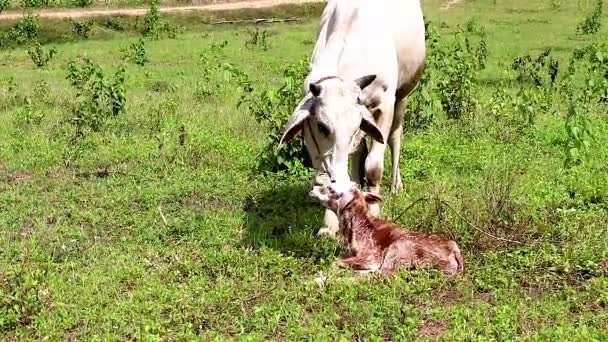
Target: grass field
{"points": [[159, 225]]}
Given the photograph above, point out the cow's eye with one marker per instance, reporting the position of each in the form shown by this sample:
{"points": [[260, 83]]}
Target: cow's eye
{"points": [[323, 129]]}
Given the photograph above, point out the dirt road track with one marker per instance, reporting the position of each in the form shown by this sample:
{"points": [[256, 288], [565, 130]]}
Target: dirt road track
{"points": [[88, 12]]}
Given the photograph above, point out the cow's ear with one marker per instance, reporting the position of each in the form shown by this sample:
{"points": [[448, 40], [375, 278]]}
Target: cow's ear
{"points": [[364, 81], [368, 125], [297, 119]]}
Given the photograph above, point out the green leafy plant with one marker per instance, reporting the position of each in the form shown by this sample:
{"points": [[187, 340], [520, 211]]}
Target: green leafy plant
{"points": [[584, 86], [271, 108], [4, 4], [113, 23], [25, 30], [81, 28], [448, 85], [153, 25], [538, 82], [98, 97], [82, 3], [593, 21], [40, 57], [35, 3], [210, 70], [28, 114], [136, 52], [258, 39]]}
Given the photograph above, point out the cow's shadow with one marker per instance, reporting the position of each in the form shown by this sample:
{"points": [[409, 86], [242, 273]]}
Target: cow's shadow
{"points": [[284, 218]]}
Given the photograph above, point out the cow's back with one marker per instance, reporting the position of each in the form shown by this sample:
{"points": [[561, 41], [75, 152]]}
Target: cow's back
{"points": [[358, 37]]}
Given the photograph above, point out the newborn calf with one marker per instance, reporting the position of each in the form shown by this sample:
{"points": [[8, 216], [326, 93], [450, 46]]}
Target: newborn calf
{"points": [[378, 245]]}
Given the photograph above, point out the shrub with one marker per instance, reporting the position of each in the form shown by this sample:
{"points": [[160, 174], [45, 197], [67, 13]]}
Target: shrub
{"points": [[40, 57], [4, 4], [153, 24], [593, 21], [82, 3], [113, 23], [448, 85], [136, 53], [81, 28], [538, 83], [211, 69], [25, 30], [35, 3], [584, 86], [99, 97], [271, 108]]}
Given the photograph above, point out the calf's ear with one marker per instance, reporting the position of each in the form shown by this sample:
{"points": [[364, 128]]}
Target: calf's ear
{"points": [[372, 197]]}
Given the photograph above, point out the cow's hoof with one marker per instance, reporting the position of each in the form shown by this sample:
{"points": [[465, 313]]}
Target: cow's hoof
{"points": [[396, 185], [327, 231]]}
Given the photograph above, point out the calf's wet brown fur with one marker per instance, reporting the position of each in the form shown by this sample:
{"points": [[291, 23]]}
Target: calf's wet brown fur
{"points": [[375, 244]]}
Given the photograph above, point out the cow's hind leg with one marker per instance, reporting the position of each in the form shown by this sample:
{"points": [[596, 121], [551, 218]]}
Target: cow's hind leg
{"points": [[374, 165], [394, 143]]}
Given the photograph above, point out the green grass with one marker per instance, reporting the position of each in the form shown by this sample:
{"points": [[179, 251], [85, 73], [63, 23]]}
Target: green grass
{"points": [[85, 252]]}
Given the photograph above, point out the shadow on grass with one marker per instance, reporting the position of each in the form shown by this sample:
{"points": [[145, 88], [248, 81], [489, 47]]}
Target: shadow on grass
{"points": [[284, 218]]}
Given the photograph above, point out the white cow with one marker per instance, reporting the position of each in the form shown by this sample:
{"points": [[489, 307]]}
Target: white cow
{"points": [[368, 57]]}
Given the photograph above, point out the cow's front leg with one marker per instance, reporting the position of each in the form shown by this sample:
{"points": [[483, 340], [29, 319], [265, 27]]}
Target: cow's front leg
{"points": [[374, 164], [330, 224]]}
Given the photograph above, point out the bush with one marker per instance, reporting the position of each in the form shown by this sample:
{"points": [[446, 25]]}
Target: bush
{"points": [[25, 30], [448, 85], [99, 97], [272, 108], [136, 53], [40, 57], [81, 28], [584, 86], [113, 23], [4, 4], [593, 21], [35, 3], [538, 81], [211, 69], [153, 24], [82, 3]]}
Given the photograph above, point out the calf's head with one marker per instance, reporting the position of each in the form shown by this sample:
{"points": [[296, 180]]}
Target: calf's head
{"points": [[331, 114], [336, 196]]}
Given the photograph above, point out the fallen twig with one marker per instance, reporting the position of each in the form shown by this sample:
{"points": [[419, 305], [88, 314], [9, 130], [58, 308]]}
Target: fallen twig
{"points": [[477, 228], [410, 207], [256, 296], [257, 20], [160, 210]]}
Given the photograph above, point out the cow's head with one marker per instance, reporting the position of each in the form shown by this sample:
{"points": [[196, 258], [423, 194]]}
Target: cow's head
{"points": [[331, 114]]}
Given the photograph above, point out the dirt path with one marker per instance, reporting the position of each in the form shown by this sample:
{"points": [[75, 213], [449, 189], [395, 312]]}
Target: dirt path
{"points": [[88, 12], [450, 3]]}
